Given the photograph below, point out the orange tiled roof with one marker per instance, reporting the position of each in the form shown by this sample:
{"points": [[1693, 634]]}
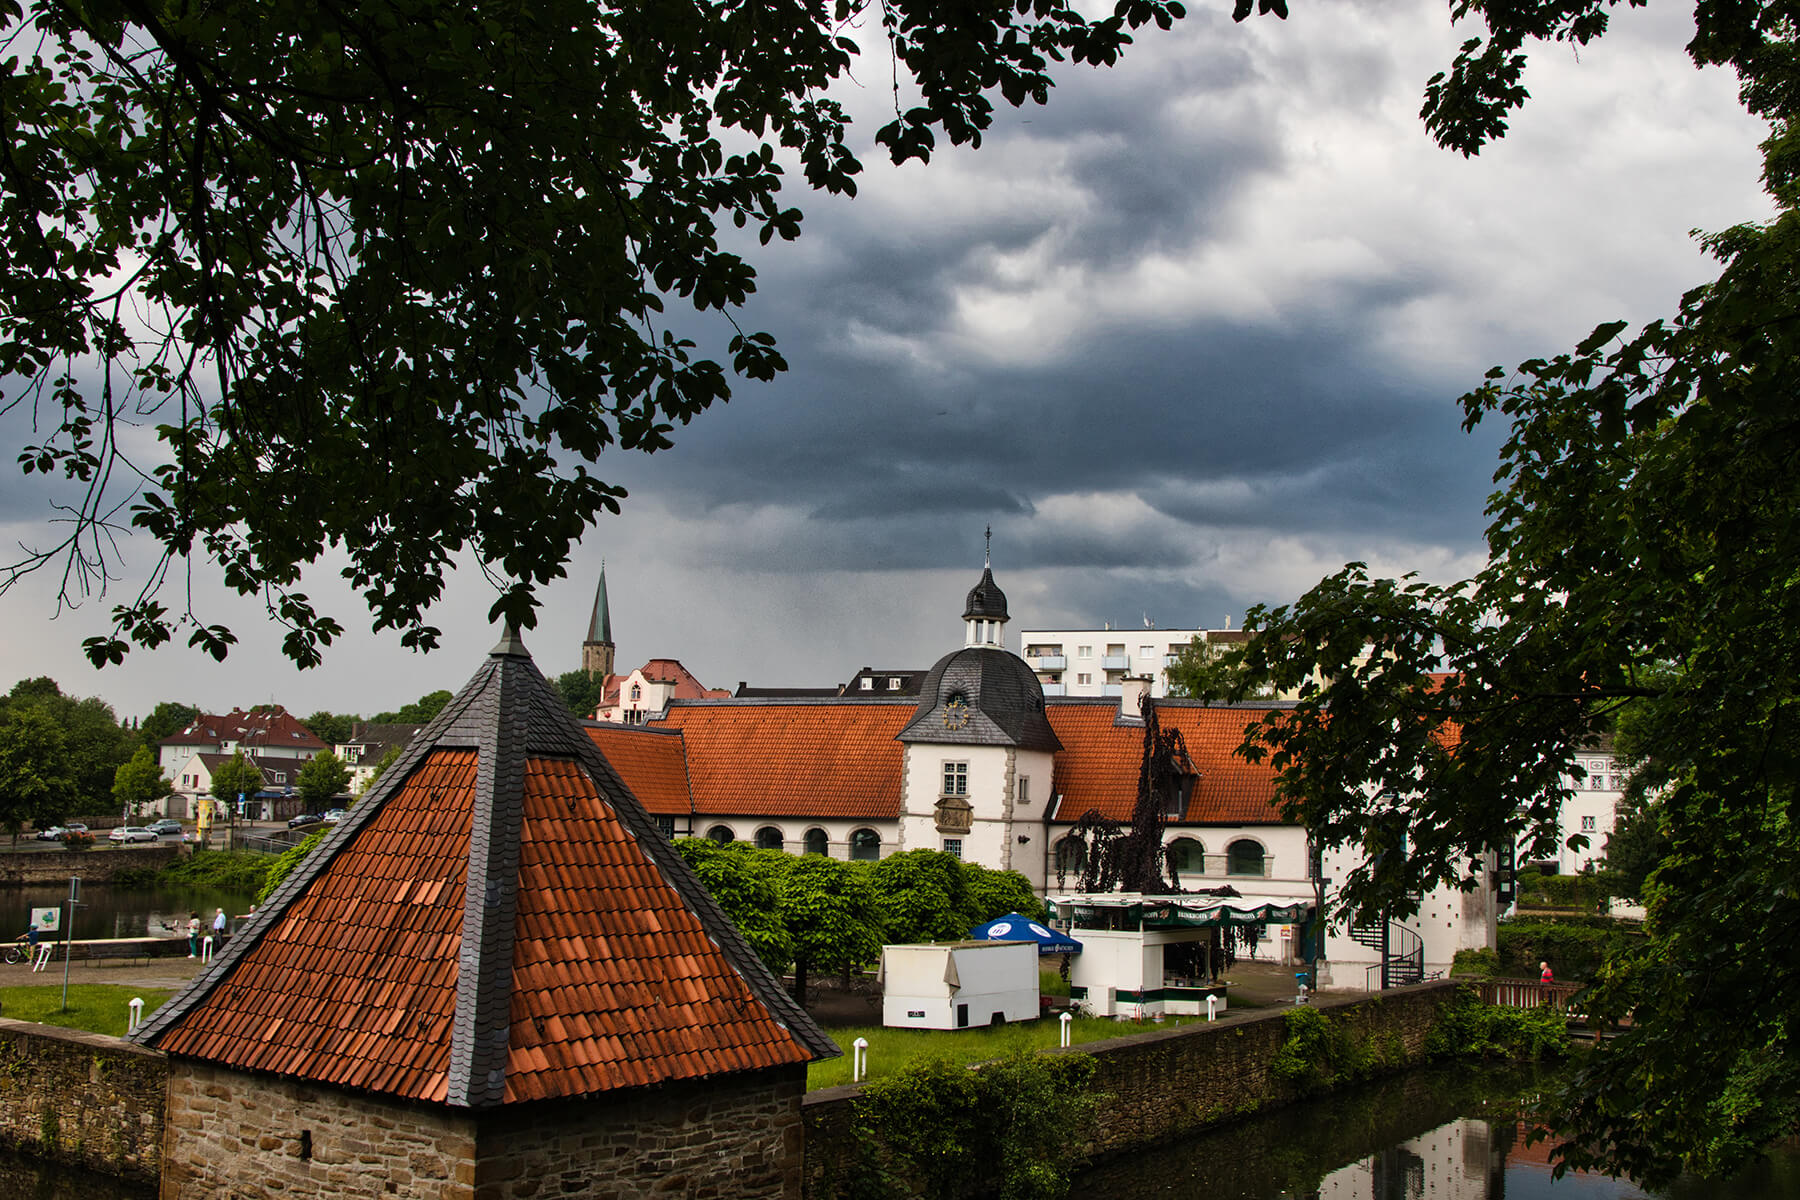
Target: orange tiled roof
{"points": [[589, 959], [826, 758], [652, 762], [1098, 766]]}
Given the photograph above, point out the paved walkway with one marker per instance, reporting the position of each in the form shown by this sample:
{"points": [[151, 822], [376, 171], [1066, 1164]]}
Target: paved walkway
{"points": [[168, 973]]}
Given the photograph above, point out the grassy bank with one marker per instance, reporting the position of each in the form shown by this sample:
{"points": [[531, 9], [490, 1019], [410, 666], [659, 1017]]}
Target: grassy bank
{"points": [[95, 1007]]}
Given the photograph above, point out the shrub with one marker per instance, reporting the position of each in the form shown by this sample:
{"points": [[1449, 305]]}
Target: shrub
{"points": [[1573, 948], [1468, 1028], [77, 839], [1321, 1051], [1485, 961], [933, 1128]]}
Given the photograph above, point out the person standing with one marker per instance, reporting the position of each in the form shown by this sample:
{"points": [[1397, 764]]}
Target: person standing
{"points": [[193, 933], [219, 924], [1544, 975]]}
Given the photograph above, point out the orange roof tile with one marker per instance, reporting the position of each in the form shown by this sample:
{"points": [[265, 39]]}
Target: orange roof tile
{"points": [[824, 758], [652, 763], [1098, 766], [589, 958]]}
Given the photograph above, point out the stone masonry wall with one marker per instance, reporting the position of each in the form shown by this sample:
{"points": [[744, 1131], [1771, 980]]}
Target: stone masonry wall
{"points": [[254, 1137], [93, 866], [734, 1138], [82, 1098], [1167, 1082]]}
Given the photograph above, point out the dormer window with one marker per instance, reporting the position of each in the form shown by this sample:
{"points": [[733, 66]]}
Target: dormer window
{"points": [[637, 693], [893, 683]]}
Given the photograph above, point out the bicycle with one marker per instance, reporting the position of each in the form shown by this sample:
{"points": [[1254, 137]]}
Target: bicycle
{"points": [[18, 952]]}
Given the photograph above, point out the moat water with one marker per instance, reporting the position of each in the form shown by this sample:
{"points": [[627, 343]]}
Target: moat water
{"points": [[1430, 1135]]}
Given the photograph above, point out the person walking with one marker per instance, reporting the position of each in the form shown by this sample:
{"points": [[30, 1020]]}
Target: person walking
{"points": [[1544, 975], [194, 933]]}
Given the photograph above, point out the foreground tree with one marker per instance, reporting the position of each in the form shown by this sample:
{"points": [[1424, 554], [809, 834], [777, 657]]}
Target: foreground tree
{"points": [[93, 742], [36, 780], [1645, 516], [381, 241]]}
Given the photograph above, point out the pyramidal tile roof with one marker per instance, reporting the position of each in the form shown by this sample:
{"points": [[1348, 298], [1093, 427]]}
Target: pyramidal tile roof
{"points": [[652, 762], [1098, 766], [497, 921]]}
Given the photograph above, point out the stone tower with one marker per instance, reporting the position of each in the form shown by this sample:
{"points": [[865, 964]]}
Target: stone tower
{"points": [[597, 650]]}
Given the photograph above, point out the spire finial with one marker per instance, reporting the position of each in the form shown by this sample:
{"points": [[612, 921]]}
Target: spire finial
{"points": [[987, 553]]}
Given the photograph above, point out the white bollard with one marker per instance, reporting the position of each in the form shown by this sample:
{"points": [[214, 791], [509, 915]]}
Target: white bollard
{"points": [[1212, 1008], [137, 1013], [859, 1060], [1067, 1020], [43, 957], [206, 948]]}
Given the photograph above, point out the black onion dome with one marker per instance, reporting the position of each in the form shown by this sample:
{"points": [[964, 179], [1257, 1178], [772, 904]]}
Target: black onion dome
{"points": [[1005, 700], [986, 600]]}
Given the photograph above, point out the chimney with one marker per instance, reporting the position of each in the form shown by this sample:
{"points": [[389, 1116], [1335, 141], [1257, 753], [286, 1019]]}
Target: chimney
{"points": [[1132, 691]]}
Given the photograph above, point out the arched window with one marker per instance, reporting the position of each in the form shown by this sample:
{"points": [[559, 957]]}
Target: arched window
{"points": [[1244, 857], [1187, 857], [768, 838], [1071, 855], [720, 834], [817, 842], [637, 693], [865, 846]]}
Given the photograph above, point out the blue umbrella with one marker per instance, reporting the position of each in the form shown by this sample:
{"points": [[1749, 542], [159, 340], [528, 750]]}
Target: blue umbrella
{"points": [[1015, 928]]}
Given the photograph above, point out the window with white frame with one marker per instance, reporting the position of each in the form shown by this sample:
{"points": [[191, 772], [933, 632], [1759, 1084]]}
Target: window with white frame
{"points": [[1083, 678], [956, 779], [1146, 651], [1084, 652], [953, 847], [868, 683]]}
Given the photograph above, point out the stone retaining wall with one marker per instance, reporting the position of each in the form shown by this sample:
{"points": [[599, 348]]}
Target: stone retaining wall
{"points": [[1164, 1083], [39, 867], [83, 1098]]}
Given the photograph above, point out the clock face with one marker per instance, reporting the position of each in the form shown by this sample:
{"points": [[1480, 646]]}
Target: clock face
{"points": [[956, 712]]}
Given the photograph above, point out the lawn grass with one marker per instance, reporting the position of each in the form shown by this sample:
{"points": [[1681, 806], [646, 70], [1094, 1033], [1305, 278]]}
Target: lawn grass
{"points": [[95, 1007], [891, 1049]]}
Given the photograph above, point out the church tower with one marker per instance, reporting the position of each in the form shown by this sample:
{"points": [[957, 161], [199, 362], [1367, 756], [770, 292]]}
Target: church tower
{"points": [[597, 650]]}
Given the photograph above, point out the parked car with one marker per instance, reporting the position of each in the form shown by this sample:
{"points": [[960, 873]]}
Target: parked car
{"points": [[52, 834], [131, 833], [168, 825], [303, 819], [334, 815]]}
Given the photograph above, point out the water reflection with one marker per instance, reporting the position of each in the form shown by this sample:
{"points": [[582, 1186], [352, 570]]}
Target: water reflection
{"points": [[1431, 1135], [107, 912]]}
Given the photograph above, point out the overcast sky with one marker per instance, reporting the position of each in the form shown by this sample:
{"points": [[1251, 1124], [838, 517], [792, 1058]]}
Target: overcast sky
{"points": [[1189, 338]]}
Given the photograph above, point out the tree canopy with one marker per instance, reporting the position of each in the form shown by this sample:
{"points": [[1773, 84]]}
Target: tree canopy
{"points": [[424, 248], [580, 692], [90, 743], [236, 776], [138, 783], [322, 780], [1644, 569]]}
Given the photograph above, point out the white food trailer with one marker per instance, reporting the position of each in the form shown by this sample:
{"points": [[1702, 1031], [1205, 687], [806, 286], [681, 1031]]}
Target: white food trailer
{"points": [[955, 985]]}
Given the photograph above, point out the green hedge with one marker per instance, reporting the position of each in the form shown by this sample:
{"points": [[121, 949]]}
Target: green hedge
{"points": [[1573, 948], [1588, 893]]}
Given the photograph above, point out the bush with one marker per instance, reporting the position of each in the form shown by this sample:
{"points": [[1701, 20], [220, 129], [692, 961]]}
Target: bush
{"points": [[934, 1129], [1484, 961], [1468, 1028], [1587, 892], [1322, 1051], [77, 839]]}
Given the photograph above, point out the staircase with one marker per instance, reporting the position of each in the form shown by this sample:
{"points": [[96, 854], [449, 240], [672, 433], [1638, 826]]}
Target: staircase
{"points": [[1401, 951]]}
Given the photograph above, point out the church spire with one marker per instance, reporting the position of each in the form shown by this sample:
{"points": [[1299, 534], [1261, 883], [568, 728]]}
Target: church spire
{"points": [[597, 650]]}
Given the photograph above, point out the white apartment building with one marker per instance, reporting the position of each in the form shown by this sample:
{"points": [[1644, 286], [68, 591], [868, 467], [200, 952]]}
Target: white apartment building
{"points": [[1095, 662]]}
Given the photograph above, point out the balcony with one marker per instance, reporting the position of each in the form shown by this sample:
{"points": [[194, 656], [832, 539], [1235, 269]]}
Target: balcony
{"points": [[1055, 689], [1049, 662], [1111, 689], [1115, 662]]}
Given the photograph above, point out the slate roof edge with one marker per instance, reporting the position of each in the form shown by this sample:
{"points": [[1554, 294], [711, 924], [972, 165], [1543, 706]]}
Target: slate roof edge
{"points": [[312, 866]]}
